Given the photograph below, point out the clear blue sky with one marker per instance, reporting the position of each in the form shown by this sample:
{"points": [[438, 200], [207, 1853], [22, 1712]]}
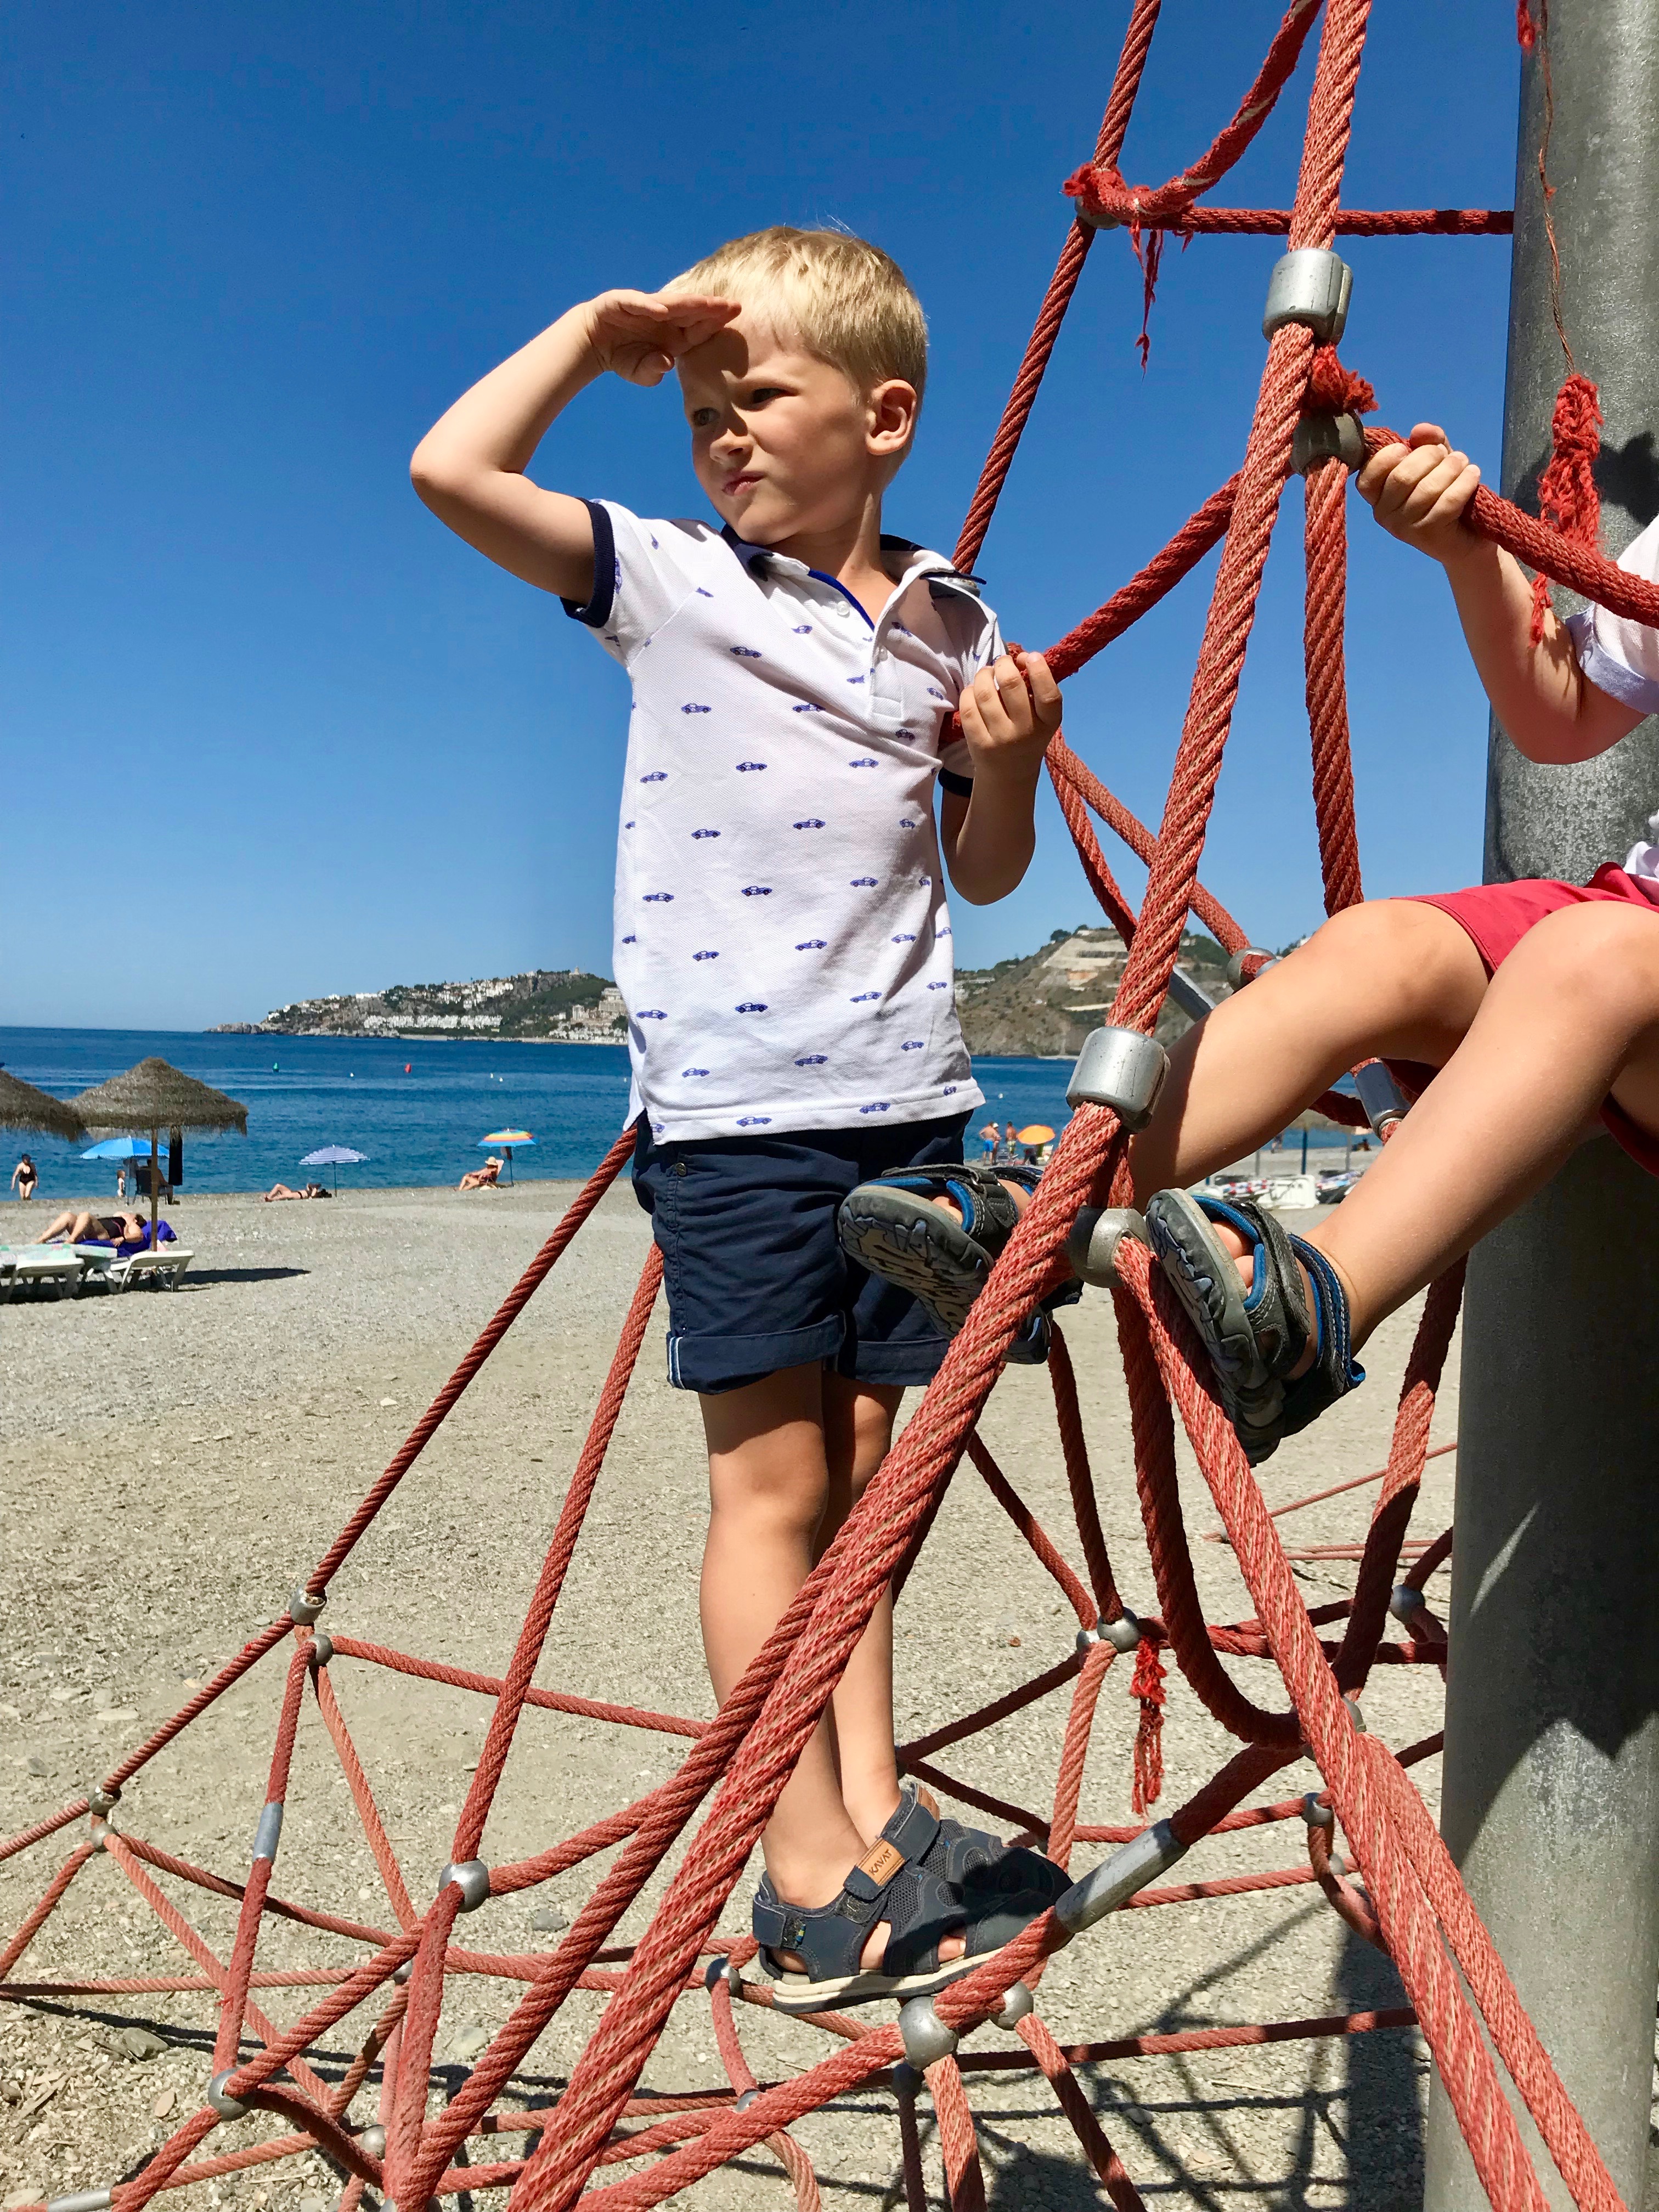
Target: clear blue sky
{"points": [[294, 738]]}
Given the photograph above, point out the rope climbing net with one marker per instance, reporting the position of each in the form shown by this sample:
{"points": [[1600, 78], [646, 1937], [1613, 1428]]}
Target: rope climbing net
{"points": [[1412, 1902]]}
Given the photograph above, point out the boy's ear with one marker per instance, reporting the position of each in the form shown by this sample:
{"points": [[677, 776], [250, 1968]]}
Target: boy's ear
{"points": [[891, 408]]}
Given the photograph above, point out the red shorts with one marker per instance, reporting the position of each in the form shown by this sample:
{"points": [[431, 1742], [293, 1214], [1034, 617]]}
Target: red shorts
{"points": [[1495, 917]]}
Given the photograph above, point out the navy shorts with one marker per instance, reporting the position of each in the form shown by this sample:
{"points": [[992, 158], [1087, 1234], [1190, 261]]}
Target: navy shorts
{"points": [[757, 1278]]}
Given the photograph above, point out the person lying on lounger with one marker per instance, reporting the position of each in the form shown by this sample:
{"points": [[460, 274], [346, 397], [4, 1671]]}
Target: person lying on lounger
{"points": [[72, 1227]]}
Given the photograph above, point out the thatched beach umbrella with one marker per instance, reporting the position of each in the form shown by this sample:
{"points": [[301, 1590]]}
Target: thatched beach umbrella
{"points": [[23, 1107], [156, 1096]]}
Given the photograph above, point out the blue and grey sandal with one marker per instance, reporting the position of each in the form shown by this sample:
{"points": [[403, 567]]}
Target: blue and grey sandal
{"points": [[892, 1226], [900, 1880], [1255, 1337]]}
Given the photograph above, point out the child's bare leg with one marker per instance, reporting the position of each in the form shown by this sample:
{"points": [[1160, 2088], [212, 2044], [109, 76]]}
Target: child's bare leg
{"points": [[858, 1427], [1571, 1015], [768, 1485]]}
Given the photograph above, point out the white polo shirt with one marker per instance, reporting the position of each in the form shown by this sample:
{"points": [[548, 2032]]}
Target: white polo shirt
{"points": [[782, 940], [1621, 657]]}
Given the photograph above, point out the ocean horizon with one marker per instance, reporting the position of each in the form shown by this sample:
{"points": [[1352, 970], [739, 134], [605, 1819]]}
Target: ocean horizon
{"points": [[416, 1109]]}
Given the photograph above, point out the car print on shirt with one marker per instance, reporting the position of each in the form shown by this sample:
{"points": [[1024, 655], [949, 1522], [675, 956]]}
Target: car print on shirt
{"points": [[660, 774], [812, 822], [753, 1121], [694, 1071], [650, 1014], [807, 707], [657, 898], [695, 706], [812, 1059], [705, 833], [933, 692], [750, 1007], [948, 1090], [863, 883], [748, 768], [878, 1106], [923, 882], [868, 760], [905, 822], [803, 630], [758, 890], [855, 679], [630, 940], [911, 1044], [905, 937], [939, 987], [705, 955], [859, 997], [812, 945], [702, 594], [628, 825], [745, 651]]}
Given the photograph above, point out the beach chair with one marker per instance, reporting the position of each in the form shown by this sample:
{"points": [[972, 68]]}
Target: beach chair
{"points": [[96, 1261], [162, 1269], [43, 1265]]}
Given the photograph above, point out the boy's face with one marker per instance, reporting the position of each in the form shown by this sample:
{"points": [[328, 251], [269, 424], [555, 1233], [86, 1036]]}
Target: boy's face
{"points": [[782, 443]]}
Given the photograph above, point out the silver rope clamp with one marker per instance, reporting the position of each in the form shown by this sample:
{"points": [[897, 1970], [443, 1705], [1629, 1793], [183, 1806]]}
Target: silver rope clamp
{"points": [[84, 2200], [1121, 1069], [721, 1970], [321, 1649], [1315, 1814], [470, 1877], [927, 2038], [906, 2080], [1236, 974], [1091, 1247], [1117, 1879], [227, 2106], [102, 1800], [1312, 286], [304, 1606], [99, 1833], [1404, 1602], [745, 2101], [1123, 1634], [1327, 438], [1018, 2004], [371, 2139], [268, 1834], [1384, 1102]]}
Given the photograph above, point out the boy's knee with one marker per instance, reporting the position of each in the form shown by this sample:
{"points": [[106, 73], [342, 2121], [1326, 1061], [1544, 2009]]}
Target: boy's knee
{"points": [[1416, 948]]}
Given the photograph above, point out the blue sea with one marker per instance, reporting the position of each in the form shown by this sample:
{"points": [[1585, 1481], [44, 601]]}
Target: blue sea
{"points": [[417, 1111]]}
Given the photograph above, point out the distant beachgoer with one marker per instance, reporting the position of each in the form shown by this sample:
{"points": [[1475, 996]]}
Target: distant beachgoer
{"points": [[120, 1182], [1008, 1149], [311, 1190], [24, 1177], [987, 1137], [483, 1178]]}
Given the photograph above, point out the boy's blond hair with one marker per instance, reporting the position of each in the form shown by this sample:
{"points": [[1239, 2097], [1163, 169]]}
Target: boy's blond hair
{"points": [[846, 299]]}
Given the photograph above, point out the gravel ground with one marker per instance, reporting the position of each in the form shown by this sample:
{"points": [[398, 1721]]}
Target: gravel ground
{"points": [[175, 1463]]}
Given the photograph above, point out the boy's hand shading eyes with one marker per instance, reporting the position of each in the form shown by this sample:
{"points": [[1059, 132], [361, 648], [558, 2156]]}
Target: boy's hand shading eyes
{"points": [[639, 335], [1009, 712]]}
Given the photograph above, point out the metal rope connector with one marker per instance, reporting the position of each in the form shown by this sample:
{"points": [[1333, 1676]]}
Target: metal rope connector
{"points": [[102, 1800], [744, 2102], [470, 1877], [304, 1606], [1018, 2004], [1121, 1069], [1091, 1247], [84, 2200], [1236, 974], [98, 1834], [322, 1648], [927, 2038], [1384, 1102], [1192, 998], [1116, 1880], [1123, 1634], [268, 1834], [1405, 1601], [1315, 1814], [371, 2139], [1327, 438], [1310, 285], [721, 1970], [227, 2106]]}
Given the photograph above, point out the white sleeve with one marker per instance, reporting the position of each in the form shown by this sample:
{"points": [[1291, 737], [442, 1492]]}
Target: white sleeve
{"points": [[637, 584], [1621, 656], [954, 759]]}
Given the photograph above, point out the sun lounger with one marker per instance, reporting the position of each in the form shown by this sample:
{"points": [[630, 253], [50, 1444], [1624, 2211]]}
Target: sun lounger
{"points": [[162, 1269], [41, 1264]]}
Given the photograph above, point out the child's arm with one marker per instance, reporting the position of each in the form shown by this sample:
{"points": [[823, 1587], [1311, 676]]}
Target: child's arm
{"points": [[469, 467], [1542, 698], [1009, 712]]}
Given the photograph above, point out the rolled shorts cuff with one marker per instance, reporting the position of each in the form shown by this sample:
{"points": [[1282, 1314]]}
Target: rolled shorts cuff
{"points": [[901, 1363], [717, 1363]]}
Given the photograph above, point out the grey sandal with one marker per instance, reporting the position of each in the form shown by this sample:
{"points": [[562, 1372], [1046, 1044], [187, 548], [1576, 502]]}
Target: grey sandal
{"points": [[892, 1226], [1255, 1337]]}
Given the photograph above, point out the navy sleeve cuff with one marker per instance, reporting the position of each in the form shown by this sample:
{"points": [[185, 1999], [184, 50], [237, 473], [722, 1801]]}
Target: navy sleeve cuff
{"points": [[963, 786], [595, 611]]}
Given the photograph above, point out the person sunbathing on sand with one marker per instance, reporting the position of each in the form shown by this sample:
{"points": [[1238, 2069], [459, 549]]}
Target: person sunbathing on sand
{"points": [[483, 1178], [311, 1190]]}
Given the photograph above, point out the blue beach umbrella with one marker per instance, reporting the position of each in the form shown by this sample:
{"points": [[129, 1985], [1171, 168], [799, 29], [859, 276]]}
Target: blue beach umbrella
{"points": [[336, 1157], [119, 1148], [506, 1139]]}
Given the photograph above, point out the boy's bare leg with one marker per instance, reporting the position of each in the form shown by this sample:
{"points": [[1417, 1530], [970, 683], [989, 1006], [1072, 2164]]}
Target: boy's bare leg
{"points": [[858, 1427], [769, 1486]]}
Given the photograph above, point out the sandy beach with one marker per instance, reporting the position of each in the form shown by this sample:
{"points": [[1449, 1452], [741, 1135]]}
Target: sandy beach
{"points": [[175, 1463]]}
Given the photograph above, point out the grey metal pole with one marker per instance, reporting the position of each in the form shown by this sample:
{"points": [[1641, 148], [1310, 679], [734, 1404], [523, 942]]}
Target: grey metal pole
{"points": [[1550, 1798]]}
